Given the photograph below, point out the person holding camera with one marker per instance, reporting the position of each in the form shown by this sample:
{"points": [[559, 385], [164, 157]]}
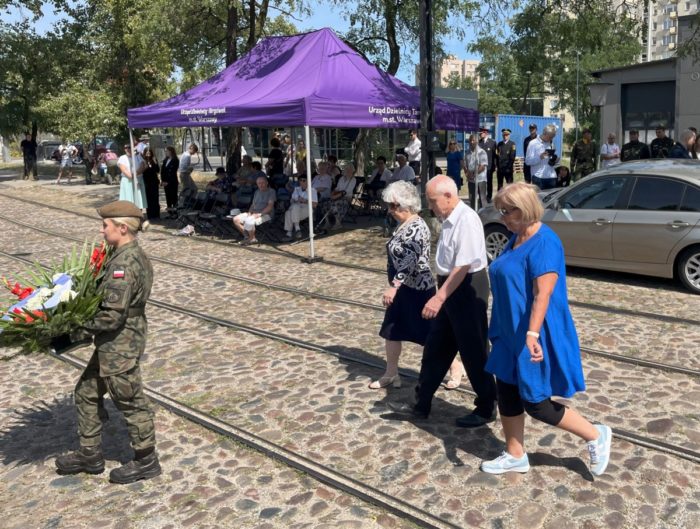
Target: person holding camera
{"points": [[541, 158]]}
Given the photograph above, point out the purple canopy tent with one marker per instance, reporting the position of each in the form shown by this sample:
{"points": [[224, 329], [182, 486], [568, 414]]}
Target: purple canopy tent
{"points": [[311, 80]]}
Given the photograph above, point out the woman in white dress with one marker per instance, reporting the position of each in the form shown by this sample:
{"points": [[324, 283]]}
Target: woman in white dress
{"points": [[126, 186]]}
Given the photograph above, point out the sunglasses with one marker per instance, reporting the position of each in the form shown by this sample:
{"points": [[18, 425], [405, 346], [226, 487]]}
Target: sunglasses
{"points": [[505, 212]]}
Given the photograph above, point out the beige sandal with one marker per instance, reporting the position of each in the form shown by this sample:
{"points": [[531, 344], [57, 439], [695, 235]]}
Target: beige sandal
{"points": [[383, 382], [455, 382]]}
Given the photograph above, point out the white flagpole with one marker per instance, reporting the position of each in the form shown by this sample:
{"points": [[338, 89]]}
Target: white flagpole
{"points": [[133, 164], [309, 193]]}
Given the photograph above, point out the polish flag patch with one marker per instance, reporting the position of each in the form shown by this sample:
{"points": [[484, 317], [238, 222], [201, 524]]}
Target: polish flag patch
{"points": [[118, 274]]}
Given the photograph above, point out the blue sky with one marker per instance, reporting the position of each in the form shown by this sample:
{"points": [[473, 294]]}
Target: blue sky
{"points": [[325, 16]]}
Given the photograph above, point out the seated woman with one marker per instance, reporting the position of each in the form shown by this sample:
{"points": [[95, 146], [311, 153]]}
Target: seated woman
{"points": [[379, 178], [563, 176], [323, 182], [333, 168], [341, 197]]}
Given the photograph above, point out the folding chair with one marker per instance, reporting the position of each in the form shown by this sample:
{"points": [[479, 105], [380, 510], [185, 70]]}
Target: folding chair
{"points": [[358, 202]]}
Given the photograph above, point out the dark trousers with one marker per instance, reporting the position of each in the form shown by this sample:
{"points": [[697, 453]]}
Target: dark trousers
{"points": [[30, 167], [471, 186], [171, 194], [546, 183], [152, 185], [461, 325], [506, 175], [489, 184], [415, 166], [527, 174]]}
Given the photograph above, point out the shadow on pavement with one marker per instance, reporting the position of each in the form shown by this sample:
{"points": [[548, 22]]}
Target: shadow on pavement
{"points": [[43, 430]]}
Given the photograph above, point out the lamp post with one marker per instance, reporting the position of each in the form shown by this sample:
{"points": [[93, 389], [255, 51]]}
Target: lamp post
{"points": [[578, 56], [599, 94]]}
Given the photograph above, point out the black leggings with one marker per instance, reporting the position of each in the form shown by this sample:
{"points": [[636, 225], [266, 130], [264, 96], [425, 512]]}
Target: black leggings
{"points": [[511, 404]]}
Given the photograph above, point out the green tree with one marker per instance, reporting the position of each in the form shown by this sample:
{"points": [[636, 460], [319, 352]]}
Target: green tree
{"points": [[456, 80]]}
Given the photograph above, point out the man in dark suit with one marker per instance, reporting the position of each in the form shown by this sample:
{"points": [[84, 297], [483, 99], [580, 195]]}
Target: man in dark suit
{"points": [[489, 146], [526, 142], [505, 159]]}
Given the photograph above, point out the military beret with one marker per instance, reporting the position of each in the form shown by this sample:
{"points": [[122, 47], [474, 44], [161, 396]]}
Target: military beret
{"points": [[505, 131], [483, 130], [119, 208]]}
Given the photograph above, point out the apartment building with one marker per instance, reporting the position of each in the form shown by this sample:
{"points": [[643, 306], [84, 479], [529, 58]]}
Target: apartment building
{"points": [[661, 21], [451, 64]]}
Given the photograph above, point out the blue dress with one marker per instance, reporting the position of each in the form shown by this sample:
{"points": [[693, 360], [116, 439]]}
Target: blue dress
{"points": [[512, 275], [454, 166]]}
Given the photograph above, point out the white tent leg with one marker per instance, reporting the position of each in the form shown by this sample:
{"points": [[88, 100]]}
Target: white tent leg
{"points": [[312, 255], [133, 164]]}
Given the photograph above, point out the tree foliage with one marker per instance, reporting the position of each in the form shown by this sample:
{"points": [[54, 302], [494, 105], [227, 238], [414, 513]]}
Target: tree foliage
{"points": [[456, 80], [539, 55]]}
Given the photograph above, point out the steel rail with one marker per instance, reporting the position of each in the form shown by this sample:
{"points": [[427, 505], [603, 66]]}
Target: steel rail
{"points": [[640, 440]]}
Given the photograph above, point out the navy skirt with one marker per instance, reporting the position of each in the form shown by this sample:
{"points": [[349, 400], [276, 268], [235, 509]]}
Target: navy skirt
{"points": [[403, 321]]}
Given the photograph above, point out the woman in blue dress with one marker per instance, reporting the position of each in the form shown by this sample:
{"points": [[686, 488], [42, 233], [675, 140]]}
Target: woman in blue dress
{"points": [[126, 186], [455, 163], [535, 350]]}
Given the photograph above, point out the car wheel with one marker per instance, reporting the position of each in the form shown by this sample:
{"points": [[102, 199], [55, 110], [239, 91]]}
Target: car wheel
{"points": [[688, 269], [497, 237]]}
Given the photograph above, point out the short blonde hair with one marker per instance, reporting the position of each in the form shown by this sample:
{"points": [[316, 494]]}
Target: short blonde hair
{"points": [[522, 196], [133, 224]]}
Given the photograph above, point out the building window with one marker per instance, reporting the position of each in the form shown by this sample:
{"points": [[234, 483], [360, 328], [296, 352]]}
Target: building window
{"points": [[668, 23]]}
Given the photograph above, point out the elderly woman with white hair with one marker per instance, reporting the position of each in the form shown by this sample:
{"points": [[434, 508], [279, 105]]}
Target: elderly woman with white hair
{"points": [[341, 196], [411, 283]]}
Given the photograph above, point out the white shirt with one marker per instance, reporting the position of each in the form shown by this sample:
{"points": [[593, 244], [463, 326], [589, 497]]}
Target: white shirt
{"points": [[474, 160], [609, 148], [412, 150], [539, 167], [302, 194], [385, 176], [347, 185], [185, 162], [325, 182], [403, 173], [461, 242]]}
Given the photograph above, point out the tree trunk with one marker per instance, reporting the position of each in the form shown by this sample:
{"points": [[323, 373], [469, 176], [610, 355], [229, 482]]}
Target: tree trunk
{"points": [[390, 13], [360, 151], [232, 134]]}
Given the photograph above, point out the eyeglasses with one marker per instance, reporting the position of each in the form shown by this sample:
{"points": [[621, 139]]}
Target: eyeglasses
{"points": [[505, 212], [393, 205]]}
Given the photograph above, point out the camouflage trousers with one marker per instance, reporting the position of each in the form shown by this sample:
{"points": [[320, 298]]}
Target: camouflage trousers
{"points": [[126, 391], [582, 171]]}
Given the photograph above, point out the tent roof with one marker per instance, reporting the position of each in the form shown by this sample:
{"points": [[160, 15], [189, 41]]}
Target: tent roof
{"points": [[308, 79]]}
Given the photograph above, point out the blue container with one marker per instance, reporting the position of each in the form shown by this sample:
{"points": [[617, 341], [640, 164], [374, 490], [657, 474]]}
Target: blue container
{"points": [[519, 129]]}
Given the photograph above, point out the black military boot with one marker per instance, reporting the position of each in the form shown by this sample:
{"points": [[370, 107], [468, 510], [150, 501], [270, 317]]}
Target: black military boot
{"points": [[88, 460], [145, 467]]}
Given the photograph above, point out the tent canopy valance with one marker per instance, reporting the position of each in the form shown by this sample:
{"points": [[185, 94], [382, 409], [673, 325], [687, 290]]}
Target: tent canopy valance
{"points": [[312, 79]]}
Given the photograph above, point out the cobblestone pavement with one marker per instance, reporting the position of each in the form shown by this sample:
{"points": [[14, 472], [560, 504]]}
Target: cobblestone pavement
{"points": [[320, 406]]}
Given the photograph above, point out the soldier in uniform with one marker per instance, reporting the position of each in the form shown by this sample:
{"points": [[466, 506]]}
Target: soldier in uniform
{"points": [[119, 330], [661, 145], [634, 149], [489, 147], [583, 156], [505, 158]]}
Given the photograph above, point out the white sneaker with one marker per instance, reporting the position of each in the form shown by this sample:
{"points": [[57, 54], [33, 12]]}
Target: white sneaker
{"points": [[506, 463], [599, 450]]}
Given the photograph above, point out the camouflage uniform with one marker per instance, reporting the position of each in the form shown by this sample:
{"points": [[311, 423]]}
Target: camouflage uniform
{"points": [[120, 330], [582, 159], [634, 150]]}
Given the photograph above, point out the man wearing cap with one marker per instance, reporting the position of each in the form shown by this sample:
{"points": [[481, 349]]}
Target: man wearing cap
{"points": [[487, 145], [119, 328], [661, 145], [583, 156], [634, 149], [526, 143], [505, 158]]}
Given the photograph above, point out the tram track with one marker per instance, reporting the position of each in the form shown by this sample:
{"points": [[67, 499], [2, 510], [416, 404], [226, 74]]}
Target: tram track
{"points": [[616, 357], [201, 418], [572, 302]]}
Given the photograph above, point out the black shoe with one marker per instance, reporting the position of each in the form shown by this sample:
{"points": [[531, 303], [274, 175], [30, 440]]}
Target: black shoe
{"points": [[474, 420], [87, 460], [145, 468], [406, 410]]}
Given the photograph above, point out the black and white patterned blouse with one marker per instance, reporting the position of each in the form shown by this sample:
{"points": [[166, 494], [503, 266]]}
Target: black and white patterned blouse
{"points": [[408, 254]]}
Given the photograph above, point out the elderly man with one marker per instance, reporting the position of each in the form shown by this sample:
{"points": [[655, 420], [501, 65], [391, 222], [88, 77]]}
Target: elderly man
{"points": [[609, 152], [526, 142], [261, 210], [477, 165], [458, 309], [541, 159], [403, 171], [684, 146]]}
